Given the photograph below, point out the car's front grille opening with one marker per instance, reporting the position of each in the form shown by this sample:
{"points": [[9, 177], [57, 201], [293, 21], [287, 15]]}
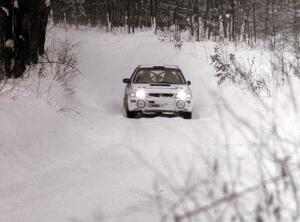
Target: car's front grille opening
{"points": [[160, 95]]}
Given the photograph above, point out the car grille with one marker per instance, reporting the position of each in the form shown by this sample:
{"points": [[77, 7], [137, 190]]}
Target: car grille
{"points": [[160, 95]]}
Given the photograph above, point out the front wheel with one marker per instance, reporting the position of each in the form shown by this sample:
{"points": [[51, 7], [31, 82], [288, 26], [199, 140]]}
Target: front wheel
{"points": [[129, 114], [187, 115]]}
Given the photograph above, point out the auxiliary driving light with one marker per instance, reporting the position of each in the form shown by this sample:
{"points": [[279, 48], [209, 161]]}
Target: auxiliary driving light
{"points": [[141, 104], [180, 104]]}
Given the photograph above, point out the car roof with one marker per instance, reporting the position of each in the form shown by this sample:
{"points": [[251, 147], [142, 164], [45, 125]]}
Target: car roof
{"points": [[159, 66]]}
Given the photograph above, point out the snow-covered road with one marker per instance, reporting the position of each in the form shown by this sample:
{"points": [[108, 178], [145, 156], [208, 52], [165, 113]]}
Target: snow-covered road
{"points": [[57, 167]]}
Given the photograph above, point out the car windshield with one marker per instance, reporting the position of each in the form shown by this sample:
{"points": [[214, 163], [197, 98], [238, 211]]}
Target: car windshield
{"points": [[152, 76]]}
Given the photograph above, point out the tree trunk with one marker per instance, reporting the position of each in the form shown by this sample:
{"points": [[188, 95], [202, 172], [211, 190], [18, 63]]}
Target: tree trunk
{"points": [[232, 4], [206, 18], [273, 25], [254, 19], [197, 21], [25, 23], [296, 25], [266, 29]]}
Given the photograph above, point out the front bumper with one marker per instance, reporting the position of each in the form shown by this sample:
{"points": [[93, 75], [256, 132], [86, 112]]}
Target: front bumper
{"points": [[152, 105]]}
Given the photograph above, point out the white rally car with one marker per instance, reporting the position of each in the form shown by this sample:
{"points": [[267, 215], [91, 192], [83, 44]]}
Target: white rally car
{"points": [[157, 89]]}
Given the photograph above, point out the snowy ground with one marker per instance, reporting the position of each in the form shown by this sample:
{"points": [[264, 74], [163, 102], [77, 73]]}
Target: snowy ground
{"points": [[61, 166]]}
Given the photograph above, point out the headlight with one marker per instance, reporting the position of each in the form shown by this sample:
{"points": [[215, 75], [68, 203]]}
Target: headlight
{"points": [[183, 95], [140, 94]]}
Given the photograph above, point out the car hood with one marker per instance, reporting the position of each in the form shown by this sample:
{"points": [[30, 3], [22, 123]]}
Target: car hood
{"points": [[160, 88]]}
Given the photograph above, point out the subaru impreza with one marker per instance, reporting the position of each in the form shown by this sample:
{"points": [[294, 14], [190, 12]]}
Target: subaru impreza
{"points": [[157, 90]]}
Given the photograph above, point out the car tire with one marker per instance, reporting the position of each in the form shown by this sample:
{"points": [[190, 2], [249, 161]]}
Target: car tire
{"points": [[129, 114], [187, 115]]}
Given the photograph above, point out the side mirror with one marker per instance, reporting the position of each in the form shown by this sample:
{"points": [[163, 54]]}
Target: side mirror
{"points": [[127, 81], [189, 82]]}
